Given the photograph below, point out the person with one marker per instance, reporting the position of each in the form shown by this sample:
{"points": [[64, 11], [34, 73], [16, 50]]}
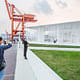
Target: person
{"points": [[2, 60], [26, 44], [55, 40]]}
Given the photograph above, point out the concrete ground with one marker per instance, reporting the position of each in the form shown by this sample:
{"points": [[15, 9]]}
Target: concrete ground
{"points": [[23, 68], [53, 48], [10, 57]]}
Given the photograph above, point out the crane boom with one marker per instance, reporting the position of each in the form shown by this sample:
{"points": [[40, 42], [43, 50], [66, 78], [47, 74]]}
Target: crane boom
{"points": [[7, 6]]}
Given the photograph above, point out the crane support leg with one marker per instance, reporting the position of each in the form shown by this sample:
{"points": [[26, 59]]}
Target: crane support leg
{"points": [[12, 29], [23, 28]]}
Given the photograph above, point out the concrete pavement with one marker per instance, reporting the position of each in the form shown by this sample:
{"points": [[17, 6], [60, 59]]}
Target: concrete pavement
{"points": [[23, 68], [53, 48], [10, 57]]}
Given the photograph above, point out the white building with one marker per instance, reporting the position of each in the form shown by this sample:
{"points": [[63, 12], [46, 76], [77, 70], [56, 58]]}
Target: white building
{"points": [[62, 33]]}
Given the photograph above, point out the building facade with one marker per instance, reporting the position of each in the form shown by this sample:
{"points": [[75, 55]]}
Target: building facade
{"points": [[63, 33]]}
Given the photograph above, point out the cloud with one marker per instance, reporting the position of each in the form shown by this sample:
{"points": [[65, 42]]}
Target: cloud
{"points": [[42, 7], [61, 3]]}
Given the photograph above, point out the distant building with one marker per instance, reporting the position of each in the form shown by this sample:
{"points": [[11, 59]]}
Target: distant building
{"points": [[62, 33]]}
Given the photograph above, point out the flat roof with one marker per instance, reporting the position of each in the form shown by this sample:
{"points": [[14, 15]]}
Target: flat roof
{"points": [[54, 24]]}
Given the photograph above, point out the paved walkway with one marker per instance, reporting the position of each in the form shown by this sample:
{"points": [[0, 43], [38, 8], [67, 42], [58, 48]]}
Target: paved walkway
{"points": [[53, 48], [23, 68], [10, 56]]}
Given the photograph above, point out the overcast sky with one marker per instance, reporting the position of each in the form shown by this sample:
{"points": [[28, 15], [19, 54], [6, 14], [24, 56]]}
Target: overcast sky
{"points": [[46, 11]]}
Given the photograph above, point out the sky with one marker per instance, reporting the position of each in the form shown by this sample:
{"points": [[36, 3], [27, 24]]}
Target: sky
{"points": [[46, 11]]}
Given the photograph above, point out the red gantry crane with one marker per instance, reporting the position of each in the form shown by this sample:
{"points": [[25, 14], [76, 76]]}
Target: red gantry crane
{"points": [[20, 18]]}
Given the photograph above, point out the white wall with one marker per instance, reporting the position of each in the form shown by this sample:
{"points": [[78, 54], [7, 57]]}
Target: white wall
{"points": [[65, 33]]}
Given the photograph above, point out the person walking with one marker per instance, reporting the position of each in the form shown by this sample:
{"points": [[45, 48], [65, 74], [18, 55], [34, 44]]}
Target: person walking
{"points": [[26, 44], [2, 60]]}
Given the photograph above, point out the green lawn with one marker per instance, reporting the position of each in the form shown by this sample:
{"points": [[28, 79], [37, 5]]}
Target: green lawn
{"points": [[65, 63], [59, 46]]}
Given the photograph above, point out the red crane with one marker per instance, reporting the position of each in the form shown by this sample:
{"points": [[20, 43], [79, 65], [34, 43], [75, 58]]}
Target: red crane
{"points": [[20, 18]]}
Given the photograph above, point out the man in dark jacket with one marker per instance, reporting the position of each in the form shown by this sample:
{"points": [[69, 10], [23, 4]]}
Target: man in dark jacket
{"points": [[2, 60], [25, 47]]}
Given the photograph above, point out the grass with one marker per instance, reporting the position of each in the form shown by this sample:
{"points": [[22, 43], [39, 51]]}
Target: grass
{"points": [[59, 46], [65, 63]]}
